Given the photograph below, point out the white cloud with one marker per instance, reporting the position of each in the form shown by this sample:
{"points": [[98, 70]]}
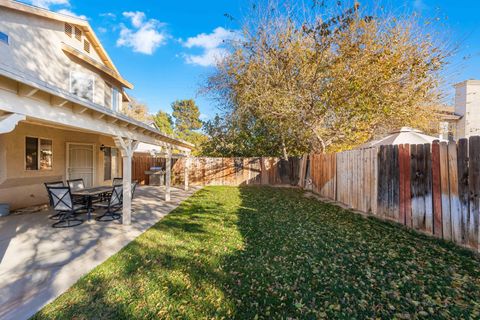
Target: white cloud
{"points": [[108, 15], [145, 36], [212, 44], [47, 3], [137, 18], [72, 14]]}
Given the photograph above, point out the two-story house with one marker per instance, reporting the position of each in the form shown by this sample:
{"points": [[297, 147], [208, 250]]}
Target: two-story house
{"points": [[60, 100]]}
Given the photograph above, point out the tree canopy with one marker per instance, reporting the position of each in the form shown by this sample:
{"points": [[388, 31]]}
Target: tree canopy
{"points": [[330, 78]]}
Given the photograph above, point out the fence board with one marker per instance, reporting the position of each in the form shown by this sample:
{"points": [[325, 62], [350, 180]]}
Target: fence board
{"points": [[428, 189], [455, 207], [463, 189], [436, 190], [474, 190]]}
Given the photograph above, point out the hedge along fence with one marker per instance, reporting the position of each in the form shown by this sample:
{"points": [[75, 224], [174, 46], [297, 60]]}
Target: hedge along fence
{"points": [[237, 171], [433, 188]]}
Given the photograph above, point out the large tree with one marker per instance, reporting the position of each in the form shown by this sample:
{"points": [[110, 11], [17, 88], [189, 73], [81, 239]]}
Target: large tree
{"points": [[164, 122], [336, 77], [137, 110], [187, 116]]}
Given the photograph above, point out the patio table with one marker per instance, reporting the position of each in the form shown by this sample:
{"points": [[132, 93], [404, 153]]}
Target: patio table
{"points": [[89, 193]]}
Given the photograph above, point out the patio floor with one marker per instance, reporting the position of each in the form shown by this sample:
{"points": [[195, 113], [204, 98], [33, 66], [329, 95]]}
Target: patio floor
{"points": [[38, 262]]}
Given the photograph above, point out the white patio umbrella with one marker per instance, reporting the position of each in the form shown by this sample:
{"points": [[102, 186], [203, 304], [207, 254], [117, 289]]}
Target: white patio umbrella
{"points": [[402, 136]]}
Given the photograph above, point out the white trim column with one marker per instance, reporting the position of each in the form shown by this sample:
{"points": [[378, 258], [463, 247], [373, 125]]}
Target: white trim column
{"points": [[126, 147], [168, 172], [187, 171]]}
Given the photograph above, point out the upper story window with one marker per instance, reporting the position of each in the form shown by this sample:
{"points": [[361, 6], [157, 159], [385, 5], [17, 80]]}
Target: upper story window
{"points": [[82, 85], [86, 46], [3, 37], [68, 30], [78, 34], [115, 100], [38, 154]]}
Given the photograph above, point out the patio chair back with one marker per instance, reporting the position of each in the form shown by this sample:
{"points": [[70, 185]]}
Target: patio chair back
{"points": [[76, 184], [52, 184], [117, 196], [134, 187], [117, 181], [61, 198]]}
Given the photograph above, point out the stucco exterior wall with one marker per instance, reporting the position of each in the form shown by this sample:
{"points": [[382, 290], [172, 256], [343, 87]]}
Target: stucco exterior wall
{"points": [[23, 188], [35, 49], [467, 104]]}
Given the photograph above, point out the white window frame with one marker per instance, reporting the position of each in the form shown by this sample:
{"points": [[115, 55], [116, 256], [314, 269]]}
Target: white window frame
{"points": [[92, 77], [115, 106], [39, 168]]}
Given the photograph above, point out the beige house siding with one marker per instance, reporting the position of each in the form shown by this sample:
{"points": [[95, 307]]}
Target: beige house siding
{"points": [[35, 49], [23, 188]]}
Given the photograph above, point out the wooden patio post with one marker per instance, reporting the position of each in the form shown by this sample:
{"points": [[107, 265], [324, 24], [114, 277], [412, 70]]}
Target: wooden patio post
{"points": [[168, 170], [127, 147], [187, 171]]}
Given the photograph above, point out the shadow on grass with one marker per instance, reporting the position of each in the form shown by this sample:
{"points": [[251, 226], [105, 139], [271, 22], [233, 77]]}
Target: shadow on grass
{"points": [[267, 253]]}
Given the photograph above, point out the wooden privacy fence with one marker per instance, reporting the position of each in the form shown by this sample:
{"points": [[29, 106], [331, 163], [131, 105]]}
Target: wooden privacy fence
{"points": [[433, 188], [238, 171], [142, 163]]}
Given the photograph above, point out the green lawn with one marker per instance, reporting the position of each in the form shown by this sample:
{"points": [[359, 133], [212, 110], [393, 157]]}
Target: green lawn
{"points": [[265, 253]]}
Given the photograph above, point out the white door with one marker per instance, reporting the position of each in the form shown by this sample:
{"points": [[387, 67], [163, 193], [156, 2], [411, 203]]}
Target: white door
{"points": [[80, 162]]}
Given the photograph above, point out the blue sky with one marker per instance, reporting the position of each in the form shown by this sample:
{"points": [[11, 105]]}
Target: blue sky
{"points": [[165, 47]]}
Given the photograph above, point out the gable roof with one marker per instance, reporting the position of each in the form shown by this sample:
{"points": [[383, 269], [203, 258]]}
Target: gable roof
{"points": [[81, 23]]}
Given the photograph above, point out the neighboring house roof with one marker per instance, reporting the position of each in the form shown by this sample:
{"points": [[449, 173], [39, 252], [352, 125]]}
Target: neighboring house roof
{"points": [[447, 113], [405, 135], [82, 24]]}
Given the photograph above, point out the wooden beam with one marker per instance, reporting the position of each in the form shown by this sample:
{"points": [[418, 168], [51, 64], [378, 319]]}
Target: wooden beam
{"points": [[26, 90], [111, 120], [79, 109], [98, 115], [58, 101]]}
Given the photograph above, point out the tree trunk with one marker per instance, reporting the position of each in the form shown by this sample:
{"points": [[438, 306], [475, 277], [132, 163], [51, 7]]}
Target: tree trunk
{"points": [[284, 149]]}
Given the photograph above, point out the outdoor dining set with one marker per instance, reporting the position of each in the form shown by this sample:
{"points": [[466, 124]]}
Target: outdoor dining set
{"points": [[74, 198]]}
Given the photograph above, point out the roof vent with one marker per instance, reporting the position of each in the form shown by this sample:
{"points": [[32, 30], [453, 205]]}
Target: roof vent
{"points": [[78, 34], [86, 46], [68, 30]]}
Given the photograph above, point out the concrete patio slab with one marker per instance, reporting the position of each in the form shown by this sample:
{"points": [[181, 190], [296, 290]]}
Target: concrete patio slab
{"points": [[38, 262]]}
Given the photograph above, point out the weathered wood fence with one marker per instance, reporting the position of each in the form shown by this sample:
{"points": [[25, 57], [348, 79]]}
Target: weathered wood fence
{"points": [[433, 188], [142, 163], [238, 171]]}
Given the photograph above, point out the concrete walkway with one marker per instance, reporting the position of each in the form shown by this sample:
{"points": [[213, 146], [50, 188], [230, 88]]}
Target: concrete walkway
{"points": [[38, 263]]}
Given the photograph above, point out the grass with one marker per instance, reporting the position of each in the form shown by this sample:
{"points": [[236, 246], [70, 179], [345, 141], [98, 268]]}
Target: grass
{"points": [[264, 253]]}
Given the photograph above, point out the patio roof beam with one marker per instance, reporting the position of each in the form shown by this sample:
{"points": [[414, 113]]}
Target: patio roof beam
{"points": [[26, 90], [58, 101], [8, 122], [79, 109]]}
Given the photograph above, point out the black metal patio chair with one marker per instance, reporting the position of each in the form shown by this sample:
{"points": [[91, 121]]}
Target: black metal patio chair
{"points": [[112, 205], [50, 200], [63, 204], [117, 181]]}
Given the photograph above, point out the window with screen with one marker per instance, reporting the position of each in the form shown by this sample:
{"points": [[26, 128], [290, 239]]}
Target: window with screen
{"points": [[115, 100], [82, 85], [107, 163], [38, 154]]}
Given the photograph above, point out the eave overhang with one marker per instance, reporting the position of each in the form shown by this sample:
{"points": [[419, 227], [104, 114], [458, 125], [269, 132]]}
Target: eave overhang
{"points": [[96, 64], [29, 87]]}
